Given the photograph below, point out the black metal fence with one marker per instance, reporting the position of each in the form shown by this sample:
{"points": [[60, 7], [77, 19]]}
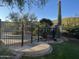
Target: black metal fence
{"points": [[19, 33], [15, 33]]}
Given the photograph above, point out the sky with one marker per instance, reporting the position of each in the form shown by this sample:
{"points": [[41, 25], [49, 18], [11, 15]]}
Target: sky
{"points": [[70, 8]]}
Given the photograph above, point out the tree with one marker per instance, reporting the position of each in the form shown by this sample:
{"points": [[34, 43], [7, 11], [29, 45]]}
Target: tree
{"points": [[21, 4], [27, 19], [47, 22], [14, 17], [16, 21], [45, 28]]}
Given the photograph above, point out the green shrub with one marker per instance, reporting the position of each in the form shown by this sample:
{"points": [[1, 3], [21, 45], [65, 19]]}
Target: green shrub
{"points": [[74, 31]]}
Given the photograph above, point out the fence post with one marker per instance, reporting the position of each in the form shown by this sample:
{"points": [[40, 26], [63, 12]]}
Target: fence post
{"points": [[31, 33], [22, 34], [0, 28], [38, 33]]}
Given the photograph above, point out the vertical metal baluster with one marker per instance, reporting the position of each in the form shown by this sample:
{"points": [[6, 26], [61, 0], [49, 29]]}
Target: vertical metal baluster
{"points": [[38, 33], [22, 33]]}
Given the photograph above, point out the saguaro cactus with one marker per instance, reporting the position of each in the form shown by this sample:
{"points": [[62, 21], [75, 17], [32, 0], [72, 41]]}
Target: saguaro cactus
{"points": [[59, 12], [59, 18]]}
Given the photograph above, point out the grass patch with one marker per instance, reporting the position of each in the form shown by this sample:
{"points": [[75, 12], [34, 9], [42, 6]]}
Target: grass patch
{"points": [[66, 50], [5, 51]]}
